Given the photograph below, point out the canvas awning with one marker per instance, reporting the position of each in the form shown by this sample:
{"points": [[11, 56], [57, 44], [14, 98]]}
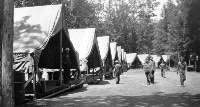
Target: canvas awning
{"points": [[142, 57], [38, 30], [104, 48], [130, 57], [119, 53], [85, 43], [113, 48]]}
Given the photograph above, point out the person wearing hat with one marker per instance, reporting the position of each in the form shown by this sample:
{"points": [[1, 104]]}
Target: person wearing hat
{"points": [[182, 68], [162, 67], [147, 68], [153, 69], [67, 63], [117, 71]]}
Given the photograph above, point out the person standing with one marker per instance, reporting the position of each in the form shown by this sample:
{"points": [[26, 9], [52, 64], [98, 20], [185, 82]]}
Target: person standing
{"points": [[162, 67], [153, 64], [182, 68], [66, 66], [117, 71], [147, 68]]}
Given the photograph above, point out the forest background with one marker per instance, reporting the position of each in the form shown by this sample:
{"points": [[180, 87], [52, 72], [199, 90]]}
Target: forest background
{"points": [[130, 23]]}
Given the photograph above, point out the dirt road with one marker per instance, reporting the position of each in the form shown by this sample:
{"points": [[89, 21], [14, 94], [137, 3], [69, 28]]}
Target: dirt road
{"points": [[132, 91]]}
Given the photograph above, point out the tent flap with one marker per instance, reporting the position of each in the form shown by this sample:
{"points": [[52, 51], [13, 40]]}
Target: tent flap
{"points": [[34, 26], [103, 43], [83, 40], [113, 48], [142, 57], [85, 43], [119, 53], [156, 58], [130, 57], [122, 54]]}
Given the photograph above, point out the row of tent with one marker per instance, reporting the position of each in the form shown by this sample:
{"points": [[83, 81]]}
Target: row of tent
{"points": [[45, 50], [134, 59]]}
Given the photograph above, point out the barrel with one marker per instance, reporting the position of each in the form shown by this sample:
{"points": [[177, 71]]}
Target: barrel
{"points": [[19, 91]]}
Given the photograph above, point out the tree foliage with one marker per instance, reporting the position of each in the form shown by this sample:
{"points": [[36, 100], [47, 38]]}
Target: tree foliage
{"points": [[169, 30], [178, 31], [130, 23]]}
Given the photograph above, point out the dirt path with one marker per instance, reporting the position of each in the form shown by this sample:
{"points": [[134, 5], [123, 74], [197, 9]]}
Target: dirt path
{"points": [[131, 92]]}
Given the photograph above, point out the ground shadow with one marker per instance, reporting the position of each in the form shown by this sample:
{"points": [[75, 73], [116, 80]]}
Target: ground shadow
{"points": [[156, 82], [109, 78], [121, 83], [158, 99], [99, 83], [72, 91]]}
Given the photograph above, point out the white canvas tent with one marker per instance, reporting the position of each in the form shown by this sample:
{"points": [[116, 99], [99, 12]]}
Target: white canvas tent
{"points": [[142, 57], [130, 57], [39, 37], [85, 43], [166, 57], [157, 59], [123, 58], [113, 48], [119, 54], [104, 47]]}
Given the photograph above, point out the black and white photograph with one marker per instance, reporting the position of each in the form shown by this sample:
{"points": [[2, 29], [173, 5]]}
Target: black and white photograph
{"points": [[100, 53]]}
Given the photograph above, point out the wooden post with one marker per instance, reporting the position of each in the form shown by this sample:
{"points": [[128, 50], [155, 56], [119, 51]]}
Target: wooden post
{"points": [[93, 63], [34, 84], [93, 73], [197, 60], [169, 60], [195, 63], [61, 45], [6, 32], [34, 76], [61, 49], [93, 67], [103, 70]]}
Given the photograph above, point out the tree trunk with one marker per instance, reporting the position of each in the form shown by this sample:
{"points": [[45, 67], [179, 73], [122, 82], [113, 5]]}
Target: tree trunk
{"points": [[7, 54], [1, 34]]}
